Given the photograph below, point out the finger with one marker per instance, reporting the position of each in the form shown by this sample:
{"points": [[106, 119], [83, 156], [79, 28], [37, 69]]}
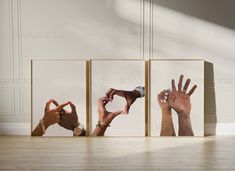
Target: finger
{"points": [[57, 104], [159, 98], [173, 85], [121, 93], [192, 90], [103, 100], [73, 107], [60, 107], [109, 91], [180, 82], [117, 113], [127, 108], [165, 95], [47, 107], [110, 94], [186, 85], [73, 112], [162, 94], [167, 92]]}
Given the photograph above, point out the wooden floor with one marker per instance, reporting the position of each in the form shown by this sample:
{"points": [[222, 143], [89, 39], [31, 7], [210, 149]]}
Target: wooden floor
{"points": [[68, 153]]}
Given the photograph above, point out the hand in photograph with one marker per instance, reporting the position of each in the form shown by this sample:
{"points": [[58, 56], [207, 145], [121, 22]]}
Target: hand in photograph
{"points": [[105, 117], [130, 97], [167, 127], [51, 116], [179, 100], [69, 120]]}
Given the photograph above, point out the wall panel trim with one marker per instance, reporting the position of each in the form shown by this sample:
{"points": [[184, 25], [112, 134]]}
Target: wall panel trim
{"points": [[210, 129]]}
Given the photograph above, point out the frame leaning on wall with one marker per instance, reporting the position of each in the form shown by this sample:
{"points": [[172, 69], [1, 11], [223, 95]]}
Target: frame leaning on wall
{"points": [[86, 75], [147, 84], [197, 62]]}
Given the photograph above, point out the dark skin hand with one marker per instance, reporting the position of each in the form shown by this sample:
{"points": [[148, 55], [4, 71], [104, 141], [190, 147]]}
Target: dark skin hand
{"points": [[105, 116], [68, 120], [51, 116], [167, 127], [179, 100], [162, 100], [130, 97]]}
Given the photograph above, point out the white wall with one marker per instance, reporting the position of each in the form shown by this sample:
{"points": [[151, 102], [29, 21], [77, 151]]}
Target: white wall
{"points": [[133, 29]]}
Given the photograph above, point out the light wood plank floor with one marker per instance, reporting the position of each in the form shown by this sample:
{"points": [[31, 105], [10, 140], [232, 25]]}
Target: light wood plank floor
{"points": [[68, 153]]}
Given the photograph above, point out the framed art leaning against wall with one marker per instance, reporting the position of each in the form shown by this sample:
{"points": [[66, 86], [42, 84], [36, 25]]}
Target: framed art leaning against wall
{"points": [[119, 75], [166, 97], [63, 81], [177, 97]]}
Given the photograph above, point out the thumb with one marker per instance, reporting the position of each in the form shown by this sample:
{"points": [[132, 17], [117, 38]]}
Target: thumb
{"points": [[73, 107], [117, 113], [126, 109]]}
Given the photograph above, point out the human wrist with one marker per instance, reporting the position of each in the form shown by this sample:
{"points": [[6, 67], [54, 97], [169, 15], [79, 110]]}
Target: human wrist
{"points": [[185, 126], [166, 115], [46, 122], [103, 124], [79, 130], [75, 125], [136, 94], [166, 110], [105, 121], [184, 119], [183, 115], [100, 129], [139, 91]]}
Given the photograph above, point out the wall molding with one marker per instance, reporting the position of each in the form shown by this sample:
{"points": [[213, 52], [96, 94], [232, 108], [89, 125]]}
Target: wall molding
{"points": [[12, 96], [21, 96], [19, 41], [24, 129], [147, 30], [11, 48]]}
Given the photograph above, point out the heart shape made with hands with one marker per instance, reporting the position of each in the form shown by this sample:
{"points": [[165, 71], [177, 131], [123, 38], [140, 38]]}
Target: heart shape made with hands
{"points": [[116, 103], [129, 96]]}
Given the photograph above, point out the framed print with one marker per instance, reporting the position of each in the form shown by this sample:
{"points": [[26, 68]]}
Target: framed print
{"points": [[61, 80], [177, 97], [120, 75]]}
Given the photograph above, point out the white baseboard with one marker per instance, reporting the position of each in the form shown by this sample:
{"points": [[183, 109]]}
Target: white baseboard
{"points": [[15, 129], [220, 129], [24, 129]]}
